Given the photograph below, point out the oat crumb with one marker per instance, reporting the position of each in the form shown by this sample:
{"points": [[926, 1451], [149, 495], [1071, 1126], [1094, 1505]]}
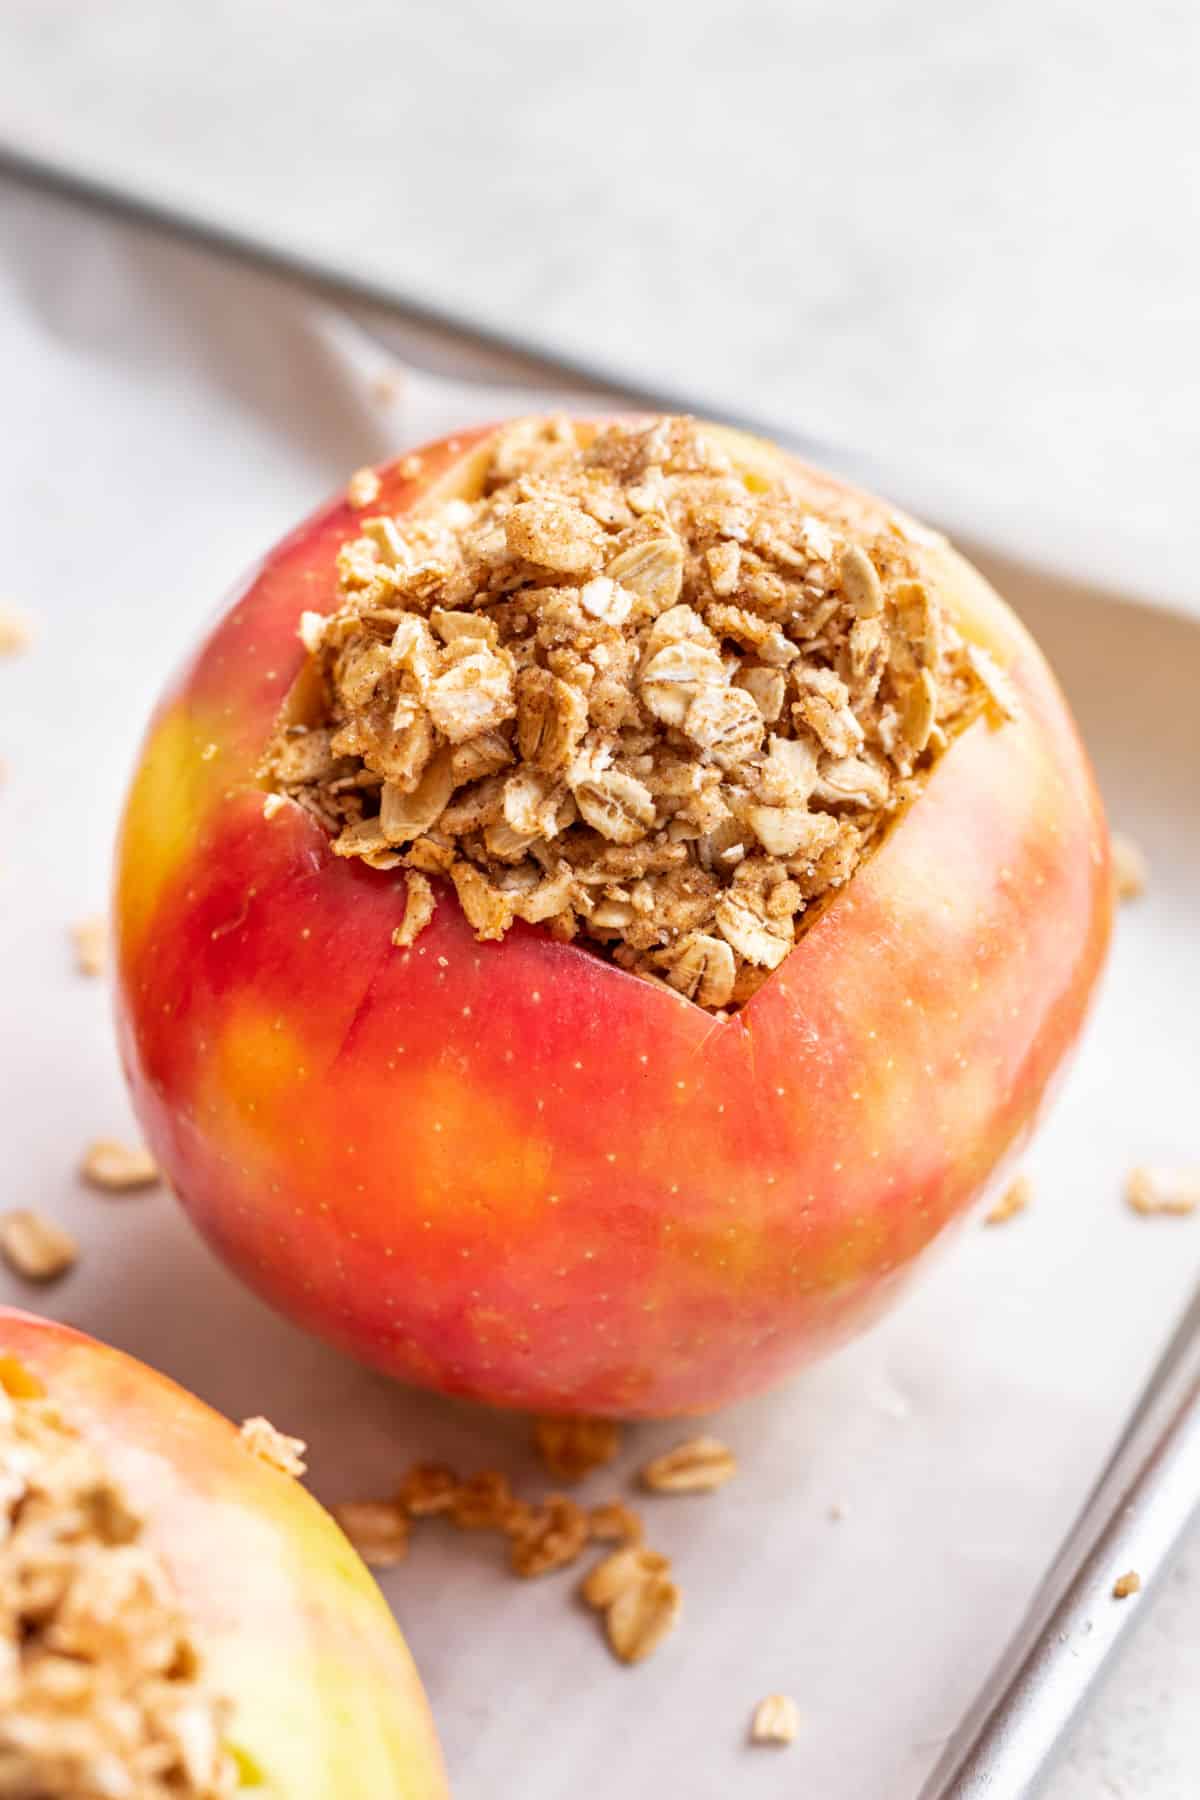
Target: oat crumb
{"points": [[571, 1447], [1125, 1585], [1152, 1189], [632, 696], [104, 1693], [273, 805], [118, 1168], [386, 389], [695, 1467], [90, 939], [419, 905], [362, 488], [1015, 1199], [410, 467], [378, 1529], [1129, 867], [775, 1721], [34, 1246], [15, 632], [273, 1447]]}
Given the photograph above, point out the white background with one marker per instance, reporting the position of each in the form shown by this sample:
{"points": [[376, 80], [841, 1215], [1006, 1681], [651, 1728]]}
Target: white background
{"points": [[964, 236]]}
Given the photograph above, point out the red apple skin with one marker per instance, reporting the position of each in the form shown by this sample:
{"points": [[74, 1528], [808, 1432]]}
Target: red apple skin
{"points": [[513, 1171], [293, 1629]]}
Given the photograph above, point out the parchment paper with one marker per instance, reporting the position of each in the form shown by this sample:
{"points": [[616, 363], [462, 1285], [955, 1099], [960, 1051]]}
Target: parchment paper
{"points": [[164, 420]]}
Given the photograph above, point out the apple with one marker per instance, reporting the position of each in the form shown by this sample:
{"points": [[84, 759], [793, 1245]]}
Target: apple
{"points": [[293, 1630], [514, 1171]]}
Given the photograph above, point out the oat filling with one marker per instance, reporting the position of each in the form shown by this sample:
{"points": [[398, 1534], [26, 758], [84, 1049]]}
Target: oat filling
{"points": [[632, 693], [102, 1696]]}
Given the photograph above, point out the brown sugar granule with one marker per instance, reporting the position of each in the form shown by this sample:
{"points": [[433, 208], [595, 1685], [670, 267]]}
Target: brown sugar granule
{"points": [[571, 1447], [104, 1692], [631, 693], [1125, 1585], [1015, 1199]]}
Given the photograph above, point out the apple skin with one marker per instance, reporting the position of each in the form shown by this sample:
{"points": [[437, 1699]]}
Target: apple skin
{"points": [[294, 1630], [513, 1171]]}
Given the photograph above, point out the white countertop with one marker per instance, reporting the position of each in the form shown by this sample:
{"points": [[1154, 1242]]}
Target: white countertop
{"points": [[962, 236]]}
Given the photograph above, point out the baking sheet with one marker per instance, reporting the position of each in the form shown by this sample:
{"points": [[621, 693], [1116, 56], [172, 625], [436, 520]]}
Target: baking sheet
{"points": [[165, 419]]}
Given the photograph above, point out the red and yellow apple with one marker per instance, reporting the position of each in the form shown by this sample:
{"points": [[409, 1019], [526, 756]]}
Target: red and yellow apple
{"points": [[516, 1172], [295, 1633]]}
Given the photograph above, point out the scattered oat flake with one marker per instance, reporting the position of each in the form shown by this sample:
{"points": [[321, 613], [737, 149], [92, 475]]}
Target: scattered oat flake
{"points": [[571, 1447], [35, 1246], [427, 1490], [1013, 1200], [273, 805], [378, 1529], [612, 1522], [15, 632], [550, 1537], [90, 938], [775, 1721], [273, 1447], [118, 1168], [362, 487], [1127, 1584], [641, 1616], [1152, 1189], [1129, 867], [695, 1467], [613, 1574]]}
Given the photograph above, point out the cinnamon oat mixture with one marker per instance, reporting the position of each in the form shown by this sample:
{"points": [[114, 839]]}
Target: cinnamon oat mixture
{"points": [[631, 693], [101, 1693]]}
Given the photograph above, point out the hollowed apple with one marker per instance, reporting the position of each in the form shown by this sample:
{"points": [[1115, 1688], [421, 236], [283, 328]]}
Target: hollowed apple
{"points": [[292, 1629], [514, 1171]]}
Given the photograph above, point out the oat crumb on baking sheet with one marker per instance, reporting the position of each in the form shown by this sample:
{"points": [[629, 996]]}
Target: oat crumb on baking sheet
{"points": [[1154, 1190], [378, 1529], [1127, 1584], [631, 695], [118, 1168], [776, 1720], [16, 633], [696, 1467], [89, 937], [34, 1246], [274, 1447], [571, 1447], [1015, 1199], [104, 1693], [1129, 867]]}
